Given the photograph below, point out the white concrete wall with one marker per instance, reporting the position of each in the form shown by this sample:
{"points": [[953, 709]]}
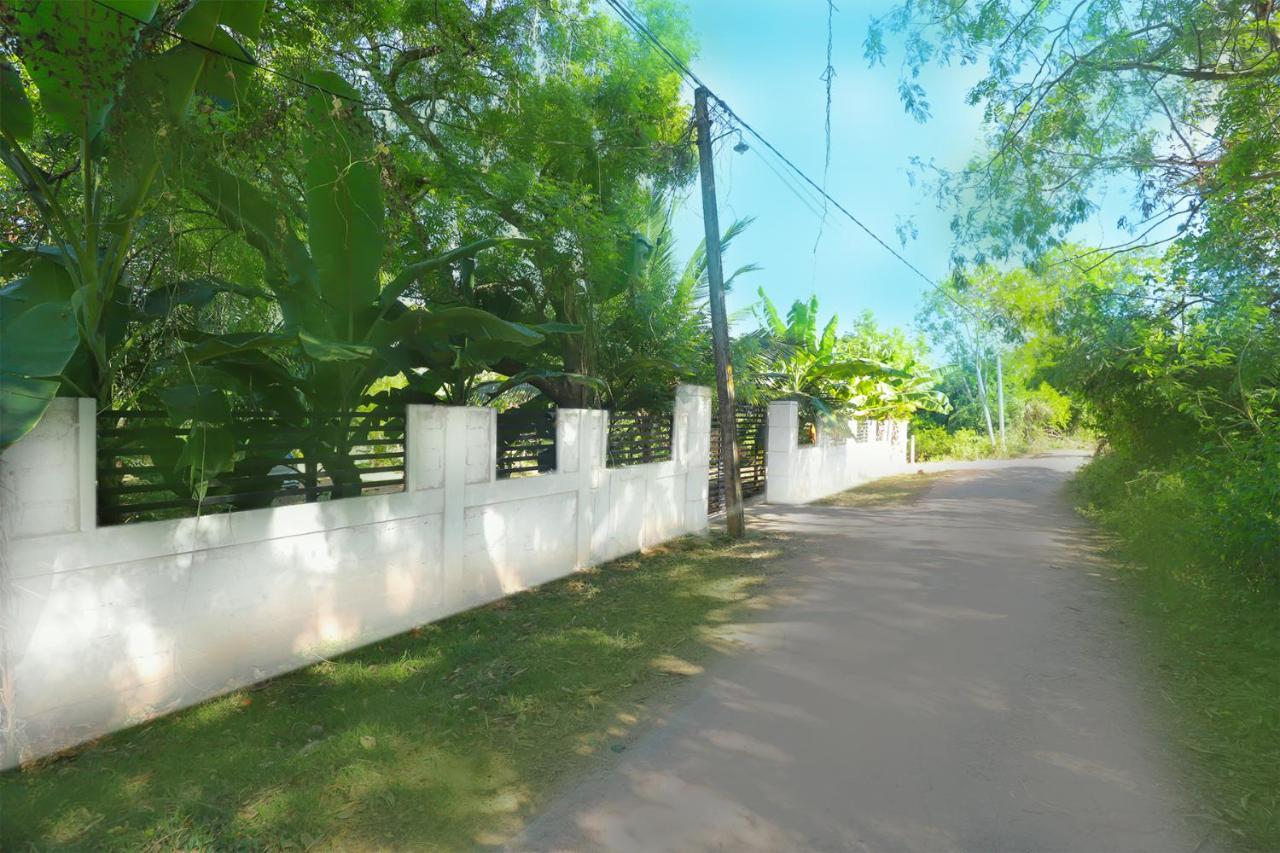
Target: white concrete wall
{"points": [[105, 627], [798, 474]]}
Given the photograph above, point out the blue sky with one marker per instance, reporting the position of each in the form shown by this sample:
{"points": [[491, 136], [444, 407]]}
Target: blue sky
{"points": [[765, 58]]}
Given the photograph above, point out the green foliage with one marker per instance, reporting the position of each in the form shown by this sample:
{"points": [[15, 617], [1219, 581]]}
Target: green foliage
{"points": [[934, 442], [563, 128], [656, 331], [76, 54], [1183, 533], [16, 120], [226, 237], [865, 375], [1077, 96], [1045, 409], [84, 59], [1216, 511]]}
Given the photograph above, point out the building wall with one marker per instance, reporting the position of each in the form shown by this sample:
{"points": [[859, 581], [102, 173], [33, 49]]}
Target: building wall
{"points": [[798, 474], [106, 627]]}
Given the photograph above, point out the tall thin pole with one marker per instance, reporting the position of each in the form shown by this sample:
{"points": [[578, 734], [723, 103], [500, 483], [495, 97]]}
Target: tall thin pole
{"points": [[734, 518], [1000, 398], [982, 388]]}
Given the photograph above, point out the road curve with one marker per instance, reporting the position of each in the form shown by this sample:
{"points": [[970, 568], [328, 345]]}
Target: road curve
{"points": [[952, 674]]}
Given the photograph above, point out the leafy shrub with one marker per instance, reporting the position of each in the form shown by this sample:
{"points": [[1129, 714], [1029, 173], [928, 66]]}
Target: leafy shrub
{"points": [[1217, 511], [1045, 410], [1202, 541], [934, 442], [931, 441]]}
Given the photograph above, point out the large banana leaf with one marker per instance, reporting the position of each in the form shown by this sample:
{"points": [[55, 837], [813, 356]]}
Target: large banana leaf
{"points": [[439, 325], [38, 338], [82, 56], [414, 271], [23, 402], [76, 51], [15, 117], [197, 293], [523, 377], [344, 206]]}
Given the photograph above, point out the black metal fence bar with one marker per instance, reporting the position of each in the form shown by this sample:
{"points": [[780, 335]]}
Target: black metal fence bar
{"points": [[638, 438], [752, 430], [276, 460], [526, 443]]}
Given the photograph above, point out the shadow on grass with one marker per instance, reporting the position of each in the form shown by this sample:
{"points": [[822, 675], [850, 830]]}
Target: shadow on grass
{"points": [[444, 737]]}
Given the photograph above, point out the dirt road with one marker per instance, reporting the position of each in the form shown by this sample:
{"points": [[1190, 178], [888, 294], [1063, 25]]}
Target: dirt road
{"points": [[952, 674]]}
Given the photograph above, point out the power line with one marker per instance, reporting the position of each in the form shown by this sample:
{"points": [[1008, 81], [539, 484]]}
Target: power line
{"points": [[828, 74], [808, 201], [369, 105], [643, 30], [243, 60], [639, 26]]}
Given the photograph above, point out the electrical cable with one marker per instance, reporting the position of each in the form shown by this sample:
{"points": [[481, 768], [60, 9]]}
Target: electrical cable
{"points": [[369, 105], [641, 28], [827, 76]]}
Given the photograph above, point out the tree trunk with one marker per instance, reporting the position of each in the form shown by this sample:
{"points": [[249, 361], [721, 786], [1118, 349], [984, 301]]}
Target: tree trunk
{"points": [[1004, 447], [982, 394]]}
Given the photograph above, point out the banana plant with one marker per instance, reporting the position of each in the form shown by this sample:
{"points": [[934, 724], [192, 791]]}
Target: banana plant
{"points": [[797, 361], [65, 315], [345, 327], [62, 318]]}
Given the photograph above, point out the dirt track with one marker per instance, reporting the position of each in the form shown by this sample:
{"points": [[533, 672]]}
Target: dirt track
{"points": [[951, 674]]}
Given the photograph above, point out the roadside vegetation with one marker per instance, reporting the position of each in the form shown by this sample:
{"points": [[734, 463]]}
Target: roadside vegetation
{"points": [[1214, 640], [1166, 343], [443, 738]]}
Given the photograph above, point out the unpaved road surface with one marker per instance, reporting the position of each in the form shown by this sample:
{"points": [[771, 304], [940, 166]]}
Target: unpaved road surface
{"points": [[950, 674]]}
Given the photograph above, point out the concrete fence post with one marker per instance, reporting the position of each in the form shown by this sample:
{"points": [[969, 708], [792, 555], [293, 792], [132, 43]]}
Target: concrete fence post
{"points": [[691, 451], [781, 450], [453, 521], [48, 478], [424, 447], [577, 440], [470, 458]]}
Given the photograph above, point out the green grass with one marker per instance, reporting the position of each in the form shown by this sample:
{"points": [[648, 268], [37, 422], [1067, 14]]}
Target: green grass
{"points": [[442, 738], [1214, 641], [889, 491]]}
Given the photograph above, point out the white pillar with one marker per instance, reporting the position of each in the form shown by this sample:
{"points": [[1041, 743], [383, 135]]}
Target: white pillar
{"points": [[470, 457], [782, 450], [579, 434], [48, 478], [48, 486], [424, 439], [691, 451]]}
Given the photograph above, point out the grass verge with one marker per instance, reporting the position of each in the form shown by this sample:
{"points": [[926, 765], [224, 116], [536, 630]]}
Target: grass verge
{"points": [[1215, 643], [442, 738], [889, 491]]}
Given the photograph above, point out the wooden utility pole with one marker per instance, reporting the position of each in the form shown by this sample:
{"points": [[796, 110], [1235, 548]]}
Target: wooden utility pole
{"points": [[734, 518]]}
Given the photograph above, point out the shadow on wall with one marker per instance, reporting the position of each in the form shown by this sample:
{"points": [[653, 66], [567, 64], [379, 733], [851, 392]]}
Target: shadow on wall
{"points": [[444, 732], [111, 626]]}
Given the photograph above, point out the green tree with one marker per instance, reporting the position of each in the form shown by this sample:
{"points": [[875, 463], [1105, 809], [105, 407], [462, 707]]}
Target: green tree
{"points": [[121, 105], [832, 377]]}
